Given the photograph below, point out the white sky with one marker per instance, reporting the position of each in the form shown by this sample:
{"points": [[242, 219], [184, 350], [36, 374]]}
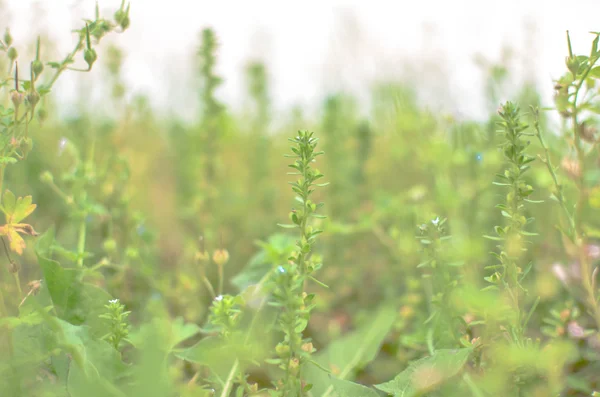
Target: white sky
{"points": [[310, 50]]}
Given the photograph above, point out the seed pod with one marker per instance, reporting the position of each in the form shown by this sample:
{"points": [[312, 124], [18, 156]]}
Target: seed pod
{"points": [[90, 56], [122, 17], [101, 29], [110, 245], [12, 54], [17, 98], [572, 65], [32, 98], [38, 67]]}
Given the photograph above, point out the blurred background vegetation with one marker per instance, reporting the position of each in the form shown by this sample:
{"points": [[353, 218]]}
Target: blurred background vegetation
{"points": [[166, 187]]}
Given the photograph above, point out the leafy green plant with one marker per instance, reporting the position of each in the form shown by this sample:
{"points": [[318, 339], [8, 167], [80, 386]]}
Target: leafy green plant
{"points": [[159, 273]]}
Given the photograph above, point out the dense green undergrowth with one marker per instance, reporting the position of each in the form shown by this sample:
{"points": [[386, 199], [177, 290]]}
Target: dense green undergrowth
{"points": [[153, 257]]}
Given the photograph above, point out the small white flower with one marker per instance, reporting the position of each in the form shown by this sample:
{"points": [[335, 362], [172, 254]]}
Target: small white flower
{"points": [[113, 301], [219, 298]]}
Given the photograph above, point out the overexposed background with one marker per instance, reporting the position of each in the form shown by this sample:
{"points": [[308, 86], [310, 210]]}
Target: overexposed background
{"points": [[317, 46]]}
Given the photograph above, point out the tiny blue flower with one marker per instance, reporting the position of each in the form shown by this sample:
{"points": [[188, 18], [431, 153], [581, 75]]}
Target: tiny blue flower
{"points": [[281, 269], [479, 157]]}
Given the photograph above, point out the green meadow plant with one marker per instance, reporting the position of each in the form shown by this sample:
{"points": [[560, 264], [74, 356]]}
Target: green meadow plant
{"points": [[139, 286], [290, 293], [509, 273]]}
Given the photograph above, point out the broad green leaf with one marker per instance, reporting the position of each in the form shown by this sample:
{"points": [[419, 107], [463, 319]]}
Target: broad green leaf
{"points": [[350, 352], [345, 388], [8, 203], [103, 368], [74, 301], [220, 354], [274, 252], [427, 374], [181, 331]]}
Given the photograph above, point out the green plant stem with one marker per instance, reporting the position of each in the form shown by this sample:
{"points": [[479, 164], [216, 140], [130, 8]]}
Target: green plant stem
{"points": [[209, 286], [546, 160], [220, 268], [580, 238], [18, 283], [3, 311], [229, 382], [65, 63], [2, 169], [81, 241], [230, 378]]}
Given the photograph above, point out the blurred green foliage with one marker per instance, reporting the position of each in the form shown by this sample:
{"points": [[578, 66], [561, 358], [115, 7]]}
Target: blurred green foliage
{"points": [[161, 270]]}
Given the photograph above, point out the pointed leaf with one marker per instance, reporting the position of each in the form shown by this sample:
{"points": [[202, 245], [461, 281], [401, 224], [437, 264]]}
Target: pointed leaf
{"points": [[427, 374], [345, 388]]}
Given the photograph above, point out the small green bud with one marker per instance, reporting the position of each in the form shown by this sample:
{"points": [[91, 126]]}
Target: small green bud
{"points": [[101, 29], [7, 37], [90, 56], [202, 257], [282, 349], [42, 114], [12, 54], [294, 366], [38, 67], [46, 177], [221, 257], [572, 65], [110, 245], [122, 18], [132, 253], [308, 347]]}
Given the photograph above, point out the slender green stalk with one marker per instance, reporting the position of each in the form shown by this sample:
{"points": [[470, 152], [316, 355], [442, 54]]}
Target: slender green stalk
{"points": [[548, 162], [234, 369], [221, 277], [580, 237], [81, 242], [18, 284]]}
